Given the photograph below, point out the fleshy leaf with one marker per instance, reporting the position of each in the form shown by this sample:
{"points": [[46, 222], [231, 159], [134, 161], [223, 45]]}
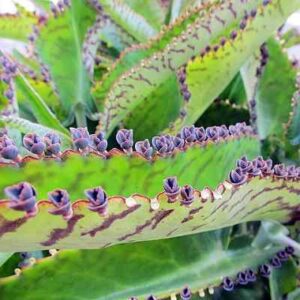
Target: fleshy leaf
{"points": [[18, 26], [4, 256], [25, 126], [135, 24], [272, 94], [39, 107], [154, 11], [158, 263], [61, 39], [126, 94], [196, 165], [245, 197]]}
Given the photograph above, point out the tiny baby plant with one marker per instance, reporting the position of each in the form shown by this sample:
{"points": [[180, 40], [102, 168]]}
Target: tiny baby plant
{"points": [[150, 150]]}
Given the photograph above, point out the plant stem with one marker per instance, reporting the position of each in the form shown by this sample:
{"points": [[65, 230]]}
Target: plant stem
{"points": [[80, 115]]}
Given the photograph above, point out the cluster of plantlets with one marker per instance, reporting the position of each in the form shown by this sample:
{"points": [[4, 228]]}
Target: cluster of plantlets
{"points": [[211, 212]]}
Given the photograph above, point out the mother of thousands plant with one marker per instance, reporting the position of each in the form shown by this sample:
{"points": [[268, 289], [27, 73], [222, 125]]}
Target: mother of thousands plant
{"points": [[164, 135]]}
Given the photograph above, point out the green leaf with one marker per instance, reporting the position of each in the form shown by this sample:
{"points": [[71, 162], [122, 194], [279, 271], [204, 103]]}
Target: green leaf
{"points": [[25, 126], [284, 280], [157, 120], [273, 93], [136, 25], [134, 55], [17, 27], [235, 91], [40, 109], [132, 174], [294, 295], [4, 256], [141, 269], [140, 218], [154, 11], [135, 85], [60, 40]]}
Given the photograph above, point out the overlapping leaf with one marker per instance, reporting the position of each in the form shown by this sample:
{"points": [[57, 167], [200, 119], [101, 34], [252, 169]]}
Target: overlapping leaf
{"points": [[134, 86], [140, 269]]}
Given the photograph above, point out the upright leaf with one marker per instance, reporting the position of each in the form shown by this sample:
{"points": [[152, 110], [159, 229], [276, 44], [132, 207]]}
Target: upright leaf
{"points": [[60, 40]]}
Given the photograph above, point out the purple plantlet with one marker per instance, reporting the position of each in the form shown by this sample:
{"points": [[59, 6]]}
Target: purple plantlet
{"points": [[275, 262], [200, 134], [250, 275], [151, 297], [237, 176], [280, 171], [53, 9], [207, 49], [212, 133], [289, 250], [243, 24], [254, 170], [8, 149], [265, 270], [99, 142], [253, 13], [232, 130], [124, 138], [171, 188], [266, 2], [282, 255], [267, 168], [292, 172], [186, 95], [187, 195], [9, 94], [53, 144], [233, 35], [81, 138], [33, 143], [188, 134], [252, 103], [22, 197], [186, 294], [25, 255], [242, 278], [163, 144], [228, 284], [98, 200], [216, 48], [61, 200], [178, 142], [223, 131], [144, 148], [60, 5], [223, 41]]}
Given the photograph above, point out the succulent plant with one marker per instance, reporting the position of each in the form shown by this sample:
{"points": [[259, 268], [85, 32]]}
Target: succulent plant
{"points": [[150, 150]]}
